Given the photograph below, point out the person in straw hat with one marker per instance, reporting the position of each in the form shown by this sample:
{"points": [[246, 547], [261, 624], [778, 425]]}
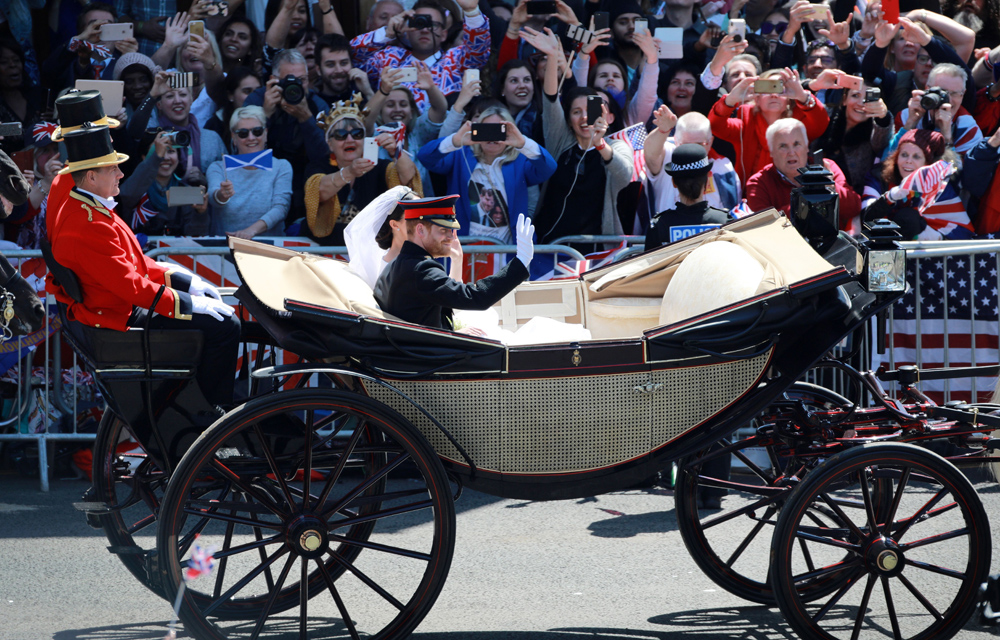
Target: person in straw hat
{"points": [[98, 270]]}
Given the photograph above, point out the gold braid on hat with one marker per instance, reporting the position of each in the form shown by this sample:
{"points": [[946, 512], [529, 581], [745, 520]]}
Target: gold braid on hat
{"points": [[342, 109]]}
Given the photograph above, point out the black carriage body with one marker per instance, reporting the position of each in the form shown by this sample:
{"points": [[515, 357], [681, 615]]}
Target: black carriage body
{"points": [[567, 420]]}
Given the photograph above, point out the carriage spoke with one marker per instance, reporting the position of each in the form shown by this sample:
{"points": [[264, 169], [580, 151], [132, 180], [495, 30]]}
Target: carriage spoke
{"points": [[771, 509], [307, 463], [933, 568], [920, 597], [279, 476], [337, 599], [304, 601], [211, 515], [940, 537], [804, 534], [843, 516], [141, 524], [244, 581], [406, 553], [364, 486], [866, 494], [904, 480], [909, 522], [890, 606], [227, 540], [253, 491], [826, 572], [271, 598], [767, 500], [836, 598], [368, 517], [185, 542], [863, 607], [259, 544], [334, 477], [368, 581]]}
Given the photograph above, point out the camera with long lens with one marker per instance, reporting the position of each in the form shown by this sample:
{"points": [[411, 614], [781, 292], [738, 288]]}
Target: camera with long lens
{"points": [[292, 90], [176, 138], [815, 207], [934, 98]]}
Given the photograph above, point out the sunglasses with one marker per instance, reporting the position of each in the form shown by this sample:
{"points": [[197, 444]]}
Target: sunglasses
{"points": [[768, 27], [243, 133], [341, 134]]}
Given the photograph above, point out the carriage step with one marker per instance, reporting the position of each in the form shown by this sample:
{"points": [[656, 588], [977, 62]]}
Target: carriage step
{"points": [[127, 550], [93, 507]]}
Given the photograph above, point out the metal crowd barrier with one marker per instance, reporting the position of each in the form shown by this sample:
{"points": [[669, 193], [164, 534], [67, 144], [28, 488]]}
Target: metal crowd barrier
{"points": [[49, 388]]}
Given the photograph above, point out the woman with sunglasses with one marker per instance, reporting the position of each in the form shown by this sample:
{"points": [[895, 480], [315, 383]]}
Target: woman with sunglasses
{"points": [[248, 201], [341, 186]]}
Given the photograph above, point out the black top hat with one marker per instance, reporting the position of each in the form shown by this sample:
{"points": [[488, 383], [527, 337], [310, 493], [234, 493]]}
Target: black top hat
{"points": [[13, 186], [78, 107], [440, 211], [689, 161], [90, 147]]}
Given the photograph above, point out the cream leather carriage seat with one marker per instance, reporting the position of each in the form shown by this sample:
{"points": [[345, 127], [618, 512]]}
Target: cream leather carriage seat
{"points": [[275, 274]]}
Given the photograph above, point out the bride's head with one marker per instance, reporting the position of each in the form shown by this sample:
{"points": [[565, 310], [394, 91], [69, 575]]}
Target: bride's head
{"points": [[393, 230]]}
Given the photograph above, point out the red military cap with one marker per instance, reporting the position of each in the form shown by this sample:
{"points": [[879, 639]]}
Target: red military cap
{"points": [[440, 211]]}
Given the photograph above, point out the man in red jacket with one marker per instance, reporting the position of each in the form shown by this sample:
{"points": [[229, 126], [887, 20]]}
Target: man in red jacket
{"points": [[772, 186], [117, 283]]}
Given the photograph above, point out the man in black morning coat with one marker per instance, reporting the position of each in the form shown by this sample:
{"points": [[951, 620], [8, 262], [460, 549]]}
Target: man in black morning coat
{"points": [[417, 289]]}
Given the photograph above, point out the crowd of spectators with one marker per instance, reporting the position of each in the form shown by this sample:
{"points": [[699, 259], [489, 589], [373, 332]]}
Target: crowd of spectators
{"points": [[809, 83]]}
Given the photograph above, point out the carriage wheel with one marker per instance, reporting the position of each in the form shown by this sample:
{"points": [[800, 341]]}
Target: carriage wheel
{"points": [[125, 477], [728, 543], [910, 569], [319, 494]]}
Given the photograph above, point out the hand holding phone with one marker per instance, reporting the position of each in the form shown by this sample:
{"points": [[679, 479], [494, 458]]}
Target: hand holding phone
{"points": [[768, 85], [470, 76], [371, 150], [851, 83], [641, 26], [406, 74], [115, 32], [738, 29], [540, 7], [595, 109], [489, 132], [197, 28], [602, 20]]}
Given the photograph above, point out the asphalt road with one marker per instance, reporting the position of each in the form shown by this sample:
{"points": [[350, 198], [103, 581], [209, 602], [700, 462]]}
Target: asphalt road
{"points": [[606, 568]]}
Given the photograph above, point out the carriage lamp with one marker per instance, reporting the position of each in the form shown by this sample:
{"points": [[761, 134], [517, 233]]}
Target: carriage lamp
{"points": [[885, 264], [815, 209]]}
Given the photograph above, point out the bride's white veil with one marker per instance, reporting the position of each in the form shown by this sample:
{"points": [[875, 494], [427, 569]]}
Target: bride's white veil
{"points": [[359, 236]]}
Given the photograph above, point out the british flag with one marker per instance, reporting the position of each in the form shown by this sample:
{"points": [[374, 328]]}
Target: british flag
{"points": [[928, 182], [43, 131], [143, 212], [948, 318], [200, 563], [575, 268], [635, 136]]}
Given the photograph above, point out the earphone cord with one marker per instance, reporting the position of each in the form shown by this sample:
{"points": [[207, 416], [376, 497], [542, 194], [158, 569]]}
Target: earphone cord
{"points": [[576, 175]]}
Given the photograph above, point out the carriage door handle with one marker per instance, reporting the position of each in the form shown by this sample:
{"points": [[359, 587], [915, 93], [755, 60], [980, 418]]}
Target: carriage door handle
{"points": [[649, 387]]}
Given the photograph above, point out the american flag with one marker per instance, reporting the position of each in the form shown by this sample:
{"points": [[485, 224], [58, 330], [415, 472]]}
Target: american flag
{"points": [[574, 268], [635, 136], [143, 212], [928, 182], [957, 308]]}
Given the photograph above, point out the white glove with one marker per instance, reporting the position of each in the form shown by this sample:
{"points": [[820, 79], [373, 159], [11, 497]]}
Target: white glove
{"points": [[211, 306], [898, 194], [200, 287], [525, 242]]}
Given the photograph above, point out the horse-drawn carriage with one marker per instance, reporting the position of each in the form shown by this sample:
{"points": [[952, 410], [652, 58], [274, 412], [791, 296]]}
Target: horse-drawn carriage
{"points": [[332, 502]]}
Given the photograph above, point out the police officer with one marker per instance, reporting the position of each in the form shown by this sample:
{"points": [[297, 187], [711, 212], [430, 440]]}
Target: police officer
{"points": [[689, 168]]}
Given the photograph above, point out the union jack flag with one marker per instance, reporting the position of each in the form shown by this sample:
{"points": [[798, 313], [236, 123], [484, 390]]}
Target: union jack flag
{"points": [[573, 269], [261, 160], [200, 563], [43, 130], [635, 136], [741, 210], [928, 182], [951, 321], [398, 131], [143, 212]]}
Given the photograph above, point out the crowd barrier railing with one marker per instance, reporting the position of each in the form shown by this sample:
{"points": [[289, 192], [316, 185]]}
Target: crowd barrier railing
{"points": [[33, 396]]}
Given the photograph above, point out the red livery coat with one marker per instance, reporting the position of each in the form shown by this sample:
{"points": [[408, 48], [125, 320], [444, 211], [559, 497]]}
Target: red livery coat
{"points": [[114, 274]]}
